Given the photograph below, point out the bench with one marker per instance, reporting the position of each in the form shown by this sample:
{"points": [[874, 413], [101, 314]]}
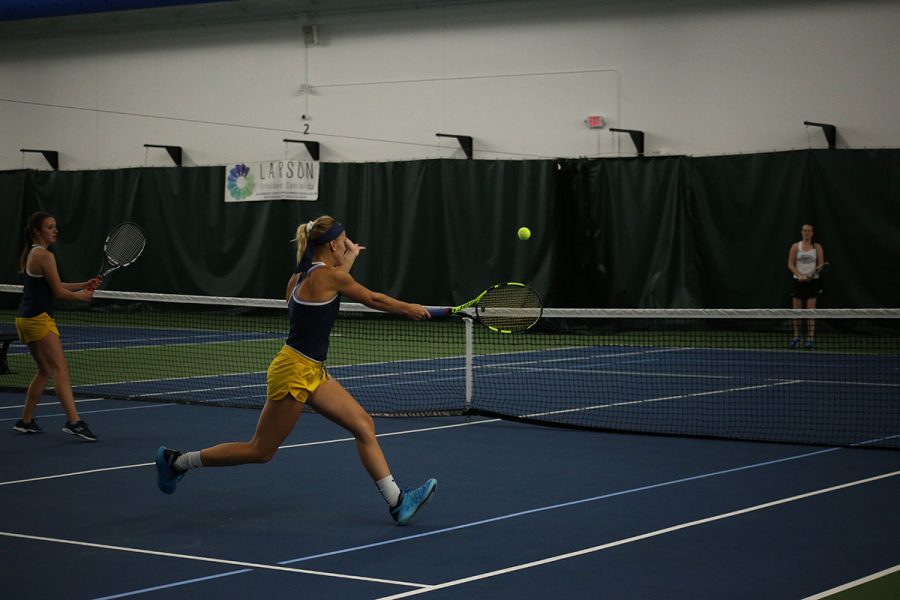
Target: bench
{"points": [[6, 338]]}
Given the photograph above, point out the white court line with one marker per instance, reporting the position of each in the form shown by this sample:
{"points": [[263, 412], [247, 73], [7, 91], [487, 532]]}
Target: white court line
{"points": [[642, 374], [638, 538], [93, 412], [167, 586], [199, 390], [845, 382], [167, 379], [392, 433], [286, 447], [127, 343], [74, 474], [55, 403], [263, 384], [853, 584], [660, 399], [222, 561]]}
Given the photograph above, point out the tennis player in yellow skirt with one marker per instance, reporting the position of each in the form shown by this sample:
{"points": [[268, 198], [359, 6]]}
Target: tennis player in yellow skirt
{"points": [[297, 375], [37, 329]]}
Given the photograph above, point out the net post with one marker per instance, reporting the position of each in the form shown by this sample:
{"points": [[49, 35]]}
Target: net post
{"points": [[470, 336]]}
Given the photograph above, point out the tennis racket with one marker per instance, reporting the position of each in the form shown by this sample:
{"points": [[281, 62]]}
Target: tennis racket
{"points": [[505, 308], [123, 246]]}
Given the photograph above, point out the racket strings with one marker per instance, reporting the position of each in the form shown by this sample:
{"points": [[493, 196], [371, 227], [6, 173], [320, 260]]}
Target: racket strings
{"points": [[125, 244], [510, 308]]}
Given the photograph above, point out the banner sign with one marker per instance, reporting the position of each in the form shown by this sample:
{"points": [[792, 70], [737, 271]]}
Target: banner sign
{"points": [[272, 180]]}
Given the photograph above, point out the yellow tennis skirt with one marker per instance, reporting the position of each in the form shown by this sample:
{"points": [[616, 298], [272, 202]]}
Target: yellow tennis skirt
{"points": [[291, 373], [34, 329]]}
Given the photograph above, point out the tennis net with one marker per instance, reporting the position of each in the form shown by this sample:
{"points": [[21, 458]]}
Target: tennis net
{"points": [[708, 373]]}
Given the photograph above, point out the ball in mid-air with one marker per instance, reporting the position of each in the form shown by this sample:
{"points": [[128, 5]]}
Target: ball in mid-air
{"points": [[524, 233]]}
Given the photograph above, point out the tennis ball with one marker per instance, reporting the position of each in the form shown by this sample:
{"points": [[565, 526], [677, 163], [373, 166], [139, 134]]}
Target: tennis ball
{"points": [[524, 233]]}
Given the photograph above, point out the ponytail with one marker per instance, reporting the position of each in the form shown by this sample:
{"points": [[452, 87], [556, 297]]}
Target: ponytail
{"points": [[309, 233], [34, 223], [302, 238]]}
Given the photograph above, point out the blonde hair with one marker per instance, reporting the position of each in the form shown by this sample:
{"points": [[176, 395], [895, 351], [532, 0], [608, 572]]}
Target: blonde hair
{"points": [[307, 232]]}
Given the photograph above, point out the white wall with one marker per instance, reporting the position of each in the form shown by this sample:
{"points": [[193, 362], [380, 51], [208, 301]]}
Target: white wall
{"points": [[519, 77]]}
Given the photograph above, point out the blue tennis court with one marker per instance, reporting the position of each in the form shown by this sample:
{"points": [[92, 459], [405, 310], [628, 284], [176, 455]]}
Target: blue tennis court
{"points": [[521, 511], [839, 395], [655, 389]]}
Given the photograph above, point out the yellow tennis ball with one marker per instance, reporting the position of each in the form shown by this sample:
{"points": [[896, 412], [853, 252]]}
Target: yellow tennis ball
{"points": [[524, 233]]}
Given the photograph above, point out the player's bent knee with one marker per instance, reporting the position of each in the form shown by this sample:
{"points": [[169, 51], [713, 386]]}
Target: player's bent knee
{"points": [[365, 428], [264, 455]]}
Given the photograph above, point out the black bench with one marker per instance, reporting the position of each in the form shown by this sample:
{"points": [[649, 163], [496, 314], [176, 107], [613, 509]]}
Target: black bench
{"points": [[6, 338]]}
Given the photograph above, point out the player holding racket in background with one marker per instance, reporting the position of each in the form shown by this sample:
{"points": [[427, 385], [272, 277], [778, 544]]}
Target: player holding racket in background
{"points": [[37, 329], [297, 375], [806, 260]]}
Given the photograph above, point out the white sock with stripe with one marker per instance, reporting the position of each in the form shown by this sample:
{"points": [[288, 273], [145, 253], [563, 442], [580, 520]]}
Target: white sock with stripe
{"points": [[389, 490], [187, 461]]}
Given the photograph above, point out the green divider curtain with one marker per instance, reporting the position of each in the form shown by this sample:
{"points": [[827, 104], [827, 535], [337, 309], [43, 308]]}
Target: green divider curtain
{"points": [[855, 196], [746, 212], [14, 208], [621, 232]]}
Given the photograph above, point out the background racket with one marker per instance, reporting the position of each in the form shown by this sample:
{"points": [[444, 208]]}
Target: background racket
{"points": [[123, 246], [505, 308]]}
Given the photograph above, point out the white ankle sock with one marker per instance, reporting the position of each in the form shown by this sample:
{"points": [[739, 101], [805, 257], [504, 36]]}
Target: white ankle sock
{"points": [[187, 461], [389, 490]]}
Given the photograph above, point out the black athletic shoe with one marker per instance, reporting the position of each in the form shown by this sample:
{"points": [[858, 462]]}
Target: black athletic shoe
{"points": [[31, 427], [80, 429]]}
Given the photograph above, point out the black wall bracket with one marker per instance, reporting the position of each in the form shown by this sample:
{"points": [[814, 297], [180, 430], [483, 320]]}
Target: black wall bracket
{"points": [[311, 147], [465, 142], [174, 151], [637, 138], [52, 156], [829, 130]]}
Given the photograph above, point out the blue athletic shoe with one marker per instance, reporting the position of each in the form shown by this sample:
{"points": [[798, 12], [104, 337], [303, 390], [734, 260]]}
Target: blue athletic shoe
{"points": [[809, 344], [412, 500], [167, 477], [795, 342]]}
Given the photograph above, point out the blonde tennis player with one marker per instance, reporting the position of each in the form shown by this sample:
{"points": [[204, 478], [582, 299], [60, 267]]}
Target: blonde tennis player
{"points": [[297, 375]]}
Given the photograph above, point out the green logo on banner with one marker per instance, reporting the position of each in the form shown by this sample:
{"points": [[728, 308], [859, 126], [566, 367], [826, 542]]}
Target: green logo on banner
{"points": [[240, 182]]}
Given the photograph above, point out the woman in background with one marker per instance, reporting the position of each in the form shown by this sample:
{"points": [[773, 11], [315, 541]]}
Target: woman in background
{"points": [[805, 259], [37, 329]]}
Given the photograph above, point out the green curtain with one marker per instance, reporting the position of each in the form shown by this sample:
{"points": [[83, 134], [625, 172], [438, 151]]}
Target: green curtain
{"points": [[855, 196], [14, 208], [622, 232], [746, 211]]}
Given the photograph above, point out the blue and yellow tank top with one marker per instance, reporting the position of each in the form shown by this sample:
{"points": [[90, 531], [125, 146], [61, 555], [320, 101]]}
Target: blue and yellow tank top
{"points": [[311, 322], [36, 295]]}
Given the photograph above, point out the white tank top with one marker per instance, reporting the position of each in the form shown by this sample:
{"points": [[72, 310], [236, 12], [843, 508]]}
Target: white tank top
{"points": [[806, 261]]}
